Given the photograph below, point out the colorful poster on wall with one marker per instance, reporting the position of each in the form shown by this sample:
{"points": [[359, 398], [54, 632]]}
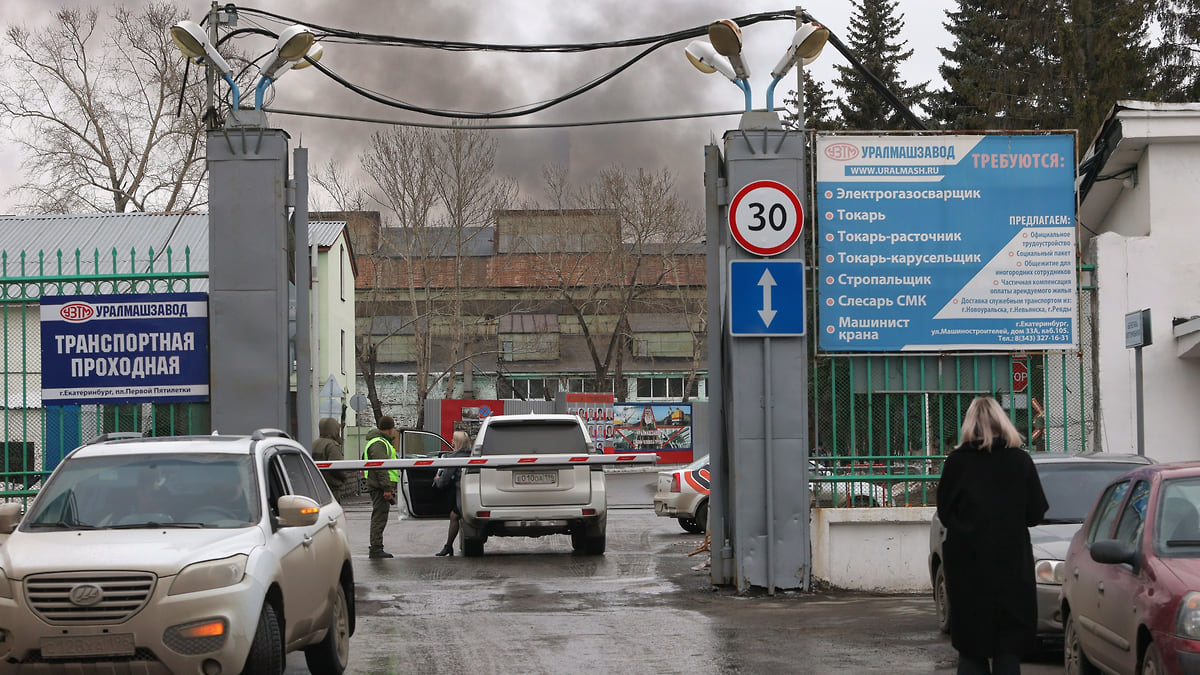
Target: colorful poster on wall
{"points": [[663, 428], [467, 415], [596, 411]]}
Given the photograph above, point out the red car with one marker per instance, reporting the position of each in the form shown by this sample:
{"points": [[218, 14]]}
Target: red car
{"points": [[1131, 596]]}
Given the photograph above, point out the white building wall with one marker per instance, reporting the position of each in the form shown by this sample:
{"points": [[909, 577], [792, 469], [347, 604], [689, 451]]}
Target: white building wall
{"points": [[1152, 263], [334, 308]]}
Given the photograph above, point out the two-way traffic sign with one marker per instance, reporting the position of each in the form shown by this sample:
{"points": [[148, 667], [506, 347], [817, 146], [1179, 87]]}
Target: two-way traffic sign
{"points": [[766, 298]]}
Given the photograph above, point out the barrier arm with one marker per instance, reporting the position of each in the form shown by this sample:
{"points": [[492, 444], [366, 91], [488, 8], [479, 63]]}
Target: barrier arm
{"points": [[490, 461]]}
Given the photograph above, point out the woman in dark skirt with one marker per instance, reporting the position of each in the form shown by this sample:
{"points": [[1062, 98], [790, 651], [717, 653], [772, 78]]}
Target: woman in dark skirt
{"points": [[447, 479], [988, 497]]}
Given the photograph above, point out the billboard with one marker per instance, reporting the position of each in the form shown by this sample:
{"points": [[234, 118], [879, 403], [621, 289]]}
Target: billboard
{"points": [[664, 428], [946, 242], [111, 349]]}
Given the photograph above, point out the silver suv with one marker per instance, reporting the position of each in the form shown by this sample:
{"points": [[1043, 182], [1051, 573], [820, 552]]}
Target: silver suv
{"points": [[519, 501], [211, 554]]}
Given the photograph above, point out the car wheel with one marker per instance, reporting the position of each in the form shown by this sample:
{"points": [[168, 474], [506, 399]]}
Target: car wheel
{"points": [[941, 599], [472, 546], [1152, 661], [1075, 662], [331, 654], [594, 538], [266, 651], [690, 525], [702, 516]]}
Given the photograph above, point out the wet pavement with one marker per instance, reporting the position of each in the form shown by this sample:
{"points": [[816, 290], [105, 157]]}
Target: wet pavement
{"points": [[646, 606]]}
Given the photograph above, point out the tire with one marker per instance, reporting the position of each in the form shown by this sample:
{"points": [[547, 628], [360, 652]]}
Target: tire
{"points": [[594, 539], [702, 516], [472, 547], [266, 651], [690, 525], [331, 654], [1152, 661], [1075, 662], [941, 600]]}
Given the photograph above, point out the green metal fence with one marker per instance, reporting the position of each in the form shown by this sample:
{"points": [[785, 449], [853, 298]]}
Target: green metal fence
{"points": [[888, 420], [35, 436]]}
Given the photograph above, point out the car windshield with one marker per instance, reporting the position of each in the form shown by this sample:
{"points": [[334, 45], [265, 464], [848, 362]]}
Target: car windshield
{"points": [[535, 438], [152, 490], [1072, 487], [1177, 528]]}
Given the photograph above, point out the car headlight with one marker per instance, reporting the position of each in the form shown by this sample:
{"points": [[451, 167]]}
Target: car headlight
{"points": [[1050, 571], [1187, 621], [210, 574]]}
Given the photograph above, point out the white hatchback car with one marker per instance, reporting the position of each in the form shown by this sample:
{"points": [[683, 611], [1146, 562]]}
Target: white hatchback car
{"points": [[211, 554]]}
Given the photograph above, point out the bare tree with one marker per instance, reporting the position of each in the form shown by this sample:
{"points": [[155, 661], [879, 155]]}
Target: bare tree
{"points": [[342, 189], [94, 112], [614, 276], [440, 189]]}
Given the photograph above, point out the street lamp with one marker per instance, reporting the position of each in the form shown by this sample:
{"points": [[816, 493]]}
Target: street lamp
{"points": [[294, 44], [706, 59], [190, 38], [807, 43]]}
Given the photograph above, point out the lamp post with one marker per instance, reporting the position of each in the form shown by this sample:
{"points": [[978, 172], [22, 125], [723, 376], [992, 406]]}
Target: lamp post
{"points": [[257, 232]]}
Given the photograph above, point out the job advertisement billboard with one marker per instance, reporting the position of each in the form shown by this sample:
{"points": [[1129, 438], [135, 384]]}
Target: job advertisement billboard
{"points": [[946, 242], [124, 348]]}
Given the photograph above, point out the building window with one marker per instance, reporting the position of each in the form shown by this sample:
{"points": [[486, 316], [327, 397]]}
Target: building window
{"points": [[528, 389], [587, 385], [342, 271], [664, 388], [343, 347]]}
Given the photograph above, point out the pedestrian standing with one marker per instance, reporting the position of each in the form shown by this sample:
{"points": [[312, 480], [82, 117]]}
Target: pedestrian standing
{"points": [[328, 448], [381, 483], [447, 479], [988, 497]]}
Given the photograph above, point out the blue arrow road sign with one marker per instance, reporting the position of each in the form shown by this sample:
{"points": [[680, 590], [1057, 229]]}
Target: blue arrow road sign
{"points": [[766, 298]]}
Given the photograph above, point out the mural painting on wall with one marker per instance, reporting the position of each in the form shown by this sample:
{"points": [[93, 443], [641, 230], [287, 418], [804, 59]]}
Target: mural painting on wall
{"points": [[665, 428], [596, 411]]}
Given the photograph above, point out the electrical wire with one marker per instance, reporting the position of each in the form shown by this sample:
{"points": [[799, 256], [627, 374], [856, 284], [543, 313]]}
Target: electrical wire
{"points": [[503, 127]]}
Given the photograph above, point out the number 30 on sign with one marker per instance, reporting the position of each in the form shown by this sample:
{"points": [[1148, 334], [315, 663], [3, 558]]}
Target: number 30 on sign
{"points": [[765, 218]]}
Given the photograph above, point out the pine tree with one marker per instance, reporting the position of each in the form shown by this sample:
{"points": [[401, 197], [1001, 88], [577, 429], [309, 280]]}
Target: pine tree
{"points": [[818, 107], [875, 39], [1105, 59], [1176, 56], [1002, 72]]}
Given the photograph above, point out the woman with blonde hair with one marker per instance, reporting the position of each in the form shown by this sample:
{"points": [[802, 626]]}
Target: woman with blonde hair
{"points": [[988, 497], [447, 479]]}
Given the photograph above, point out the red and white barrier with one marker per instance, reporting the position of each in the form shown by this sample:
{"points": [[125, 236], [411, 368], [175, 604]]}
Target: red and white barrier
{"points": [[490, 462]]}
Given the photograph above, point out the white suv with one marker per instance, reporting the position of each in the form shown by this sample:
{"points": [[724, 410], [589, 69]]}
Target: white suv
{"points": [[519, 501], [211, 554]]}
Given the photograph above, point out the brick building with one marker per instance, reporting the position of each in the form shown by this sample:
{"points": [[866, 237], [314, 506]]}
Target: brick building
{"points": [[525, 308]]}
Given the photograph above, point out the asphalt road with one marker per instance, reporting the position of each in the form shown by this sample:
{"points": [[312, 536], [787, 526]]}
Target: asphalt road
{"points": [[646, 606]]}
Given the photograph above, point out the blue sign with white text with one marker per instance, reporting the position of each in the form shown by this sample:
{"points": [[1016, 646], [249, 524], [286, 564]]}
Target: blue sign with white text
{"points": [[109, 349], [932, 243], [766, 298]]}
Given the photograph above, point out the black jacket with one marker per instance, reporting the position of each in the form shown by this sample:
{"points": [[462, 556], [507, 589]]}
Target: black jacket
{"points": [[988, 499]]}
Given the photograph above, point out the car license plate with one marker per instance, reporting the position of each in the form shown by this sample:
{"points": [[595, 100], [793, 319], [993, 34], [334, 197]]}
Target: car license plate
{"points": [[63, 646], [535, 477]]}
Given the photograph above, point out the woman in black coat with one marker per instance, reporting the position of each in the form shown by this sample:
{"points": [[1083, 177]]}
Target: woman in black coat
{"points": [[988, 497]]}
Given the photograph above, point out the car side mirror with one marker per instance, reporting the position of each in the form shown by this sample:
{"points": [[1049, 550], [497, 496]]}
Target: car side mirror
{"points": [[298, 511], [1113, 552], [10, 517]]}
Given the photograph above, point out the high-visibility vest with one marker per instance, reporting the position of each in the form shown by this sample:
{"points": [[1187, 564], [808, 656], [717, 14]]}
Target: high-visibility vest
{"points": [[393, 474]]}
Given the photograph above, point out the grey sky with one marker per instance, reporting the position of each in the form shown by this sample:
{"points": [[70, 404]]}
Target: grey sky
{"points": [[661, 84]]}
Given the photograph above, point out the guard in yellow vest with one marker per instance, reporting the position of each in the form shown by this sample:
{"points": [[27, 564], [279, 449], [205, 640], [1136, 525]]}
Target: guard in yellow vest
{"points": [[381, 483]]}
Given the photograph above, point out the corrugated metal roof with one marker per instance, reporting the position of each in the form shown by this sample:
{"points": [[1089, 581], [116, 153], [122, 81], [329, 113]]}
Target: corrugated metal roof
{"points": [[140, 233], [103, 232], [324, 233], [529, 323], [658, 323], [440, 241]]}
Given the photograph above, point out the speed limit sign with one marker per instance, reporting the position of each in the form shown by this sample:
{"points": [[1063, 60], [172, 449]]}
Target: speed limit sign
{"points": [[765, 217]]}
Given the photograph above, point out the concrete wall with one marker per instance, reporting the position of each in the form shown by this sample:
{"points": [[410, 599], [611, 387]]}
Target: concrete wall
{"points": [[1147, 260], [880, 549]]}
